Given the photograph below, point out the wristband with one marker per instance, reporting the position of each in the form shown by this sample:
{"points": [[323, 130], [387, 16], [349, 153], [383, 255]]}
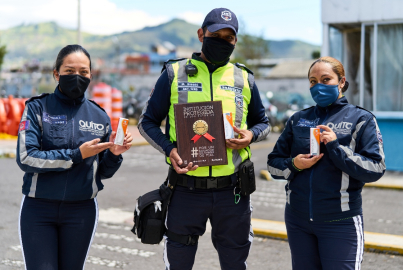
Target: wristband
{"points": [[295, 166]]}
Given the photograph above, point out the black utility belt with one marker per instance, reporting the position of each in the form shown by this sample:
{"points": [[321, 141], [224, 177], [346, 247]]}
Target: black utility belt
{"points": [[204, 182]]}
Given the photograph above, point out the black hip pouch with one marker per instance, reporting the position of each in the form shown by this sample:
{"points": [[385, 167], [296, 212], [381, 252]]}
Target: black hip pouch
{"points": [[150, 214], [246, 178]]}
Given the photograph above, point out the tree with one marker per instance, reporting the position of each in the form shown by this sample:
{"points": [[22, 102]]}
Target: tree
{"points": [[250, 47], [315, 54], [3, 52]]}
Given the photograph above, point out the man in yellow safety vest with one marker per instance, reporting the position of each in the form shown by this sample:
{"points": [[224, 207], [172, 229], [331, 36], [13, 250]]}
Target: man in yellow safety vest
{"points": [[194, 200]]}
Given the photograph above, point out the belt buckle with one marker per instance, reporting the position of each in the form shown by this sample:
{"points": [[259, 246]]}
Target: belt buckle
{"points": [[212, 183]]}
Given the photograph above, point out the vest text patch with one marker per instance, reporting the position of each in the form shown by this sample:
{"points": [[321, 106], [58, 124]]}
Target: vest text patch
{"points": [[188, 86], [234, 89]]}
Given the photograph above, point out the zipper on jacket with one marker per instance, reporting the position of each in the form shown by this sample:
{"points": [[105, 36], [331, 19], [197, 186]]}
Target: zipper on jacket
{"points": [[311, 177], [72, 122], [310, 196], [211, 93]]}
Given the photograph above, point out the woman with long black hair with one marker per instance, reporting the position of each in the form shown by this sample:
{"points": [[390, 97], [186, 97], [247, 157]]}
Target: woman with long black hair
{"points": [[65, 147]]}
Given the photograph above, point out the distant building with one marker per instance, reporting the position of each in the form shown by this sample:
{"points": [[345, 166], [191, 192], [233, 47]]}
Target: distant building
{"points": [[367, 37], [285, 82], [137, 64]]}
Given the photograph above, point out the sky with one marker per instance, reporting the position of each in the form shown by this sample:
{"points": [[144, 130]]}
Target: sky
{"points": [[273, 19]]}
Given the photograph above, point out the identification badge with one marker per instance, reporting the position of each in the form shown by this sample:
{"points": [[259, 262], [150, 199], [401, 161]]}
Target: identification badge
{"points": [[189, 87], [54, 119]]}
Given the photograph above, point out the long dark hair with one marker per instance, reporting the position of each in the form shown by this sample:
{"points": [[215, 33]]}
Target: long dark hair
{"points": [[66, 51]]}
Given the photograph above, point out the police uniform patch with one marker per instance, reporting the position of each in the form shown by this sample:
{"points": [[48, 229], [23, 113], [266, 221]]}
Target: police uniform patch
{"points": [[239, 101], [236, 90], [24, 125], [226, 15], [379, 136]]}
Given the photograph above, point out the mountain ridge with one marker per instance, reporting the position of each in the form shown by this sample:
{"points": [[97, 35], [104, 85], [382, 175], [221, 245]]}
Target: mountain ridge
{"points": [[42, 41]]}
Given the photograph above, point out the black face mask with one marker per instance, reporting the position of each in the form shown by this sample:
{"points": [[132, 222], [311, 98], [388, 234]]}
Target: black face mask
{"points": [[217, 50], [73, 86]]}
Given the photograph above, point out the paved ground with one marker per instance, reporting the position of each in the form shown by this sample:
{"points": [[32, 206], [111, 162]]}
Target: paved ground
{"points": [[143, 170]]}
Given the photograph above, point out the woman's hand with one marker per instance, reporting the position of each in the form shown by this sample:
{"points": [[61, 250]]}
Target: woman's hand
{"points": [[305, 161], [91, 148], [120, 149], [243, 142], [176, 161], [327, 135]]}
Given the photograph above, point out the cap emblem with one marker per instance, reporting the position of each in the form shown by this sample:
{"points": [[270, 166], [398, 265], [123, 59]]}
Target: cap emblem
{"points": [[226, 15]]}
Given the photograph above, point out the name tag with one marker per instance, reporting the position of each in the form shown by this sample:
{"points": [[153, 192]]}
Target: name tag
{"points": [[188, 86], [54, 119], [308, 123]]}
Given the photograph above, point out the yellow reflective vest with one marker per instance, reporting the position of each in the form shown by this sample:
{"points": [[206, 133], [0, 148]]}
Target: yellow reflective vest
{"points": [[230, 84]]}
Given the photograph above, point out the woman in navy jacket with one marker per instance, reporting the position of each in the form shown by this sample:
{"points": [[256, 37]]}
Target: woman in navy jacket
{"points": [[65, 147], [323, 212]]}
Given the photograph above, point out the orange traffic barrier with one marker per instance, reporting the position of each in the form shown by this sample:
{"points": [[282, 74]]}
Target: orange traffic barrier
{"points": [[3, 116], [117, 107], [14, 114], [21, 102], [102, 94]]}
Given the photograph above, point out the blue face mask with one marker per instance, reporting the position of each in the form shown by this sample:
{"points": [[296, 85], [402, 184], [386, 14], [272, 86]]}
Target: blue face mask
{"points": [[324, 94]]}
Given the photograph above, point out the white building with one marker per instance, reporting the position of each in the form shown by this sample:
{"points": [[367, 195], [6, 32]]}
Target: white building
{"points": [[367, 37]]}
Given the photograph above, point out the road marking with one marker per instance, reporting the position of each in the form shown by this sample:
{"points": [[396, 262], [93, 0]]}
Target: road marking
{"points": [[115, 216], [16, 248], [106, 262], [12, 262], [114, 236], [114, 227], [129, 251]]}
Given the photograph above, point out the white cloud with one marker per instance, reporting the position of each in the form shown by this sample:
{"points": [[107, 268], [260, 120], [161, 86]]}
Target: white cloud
{"points": [[97, 16], [193, 17]]}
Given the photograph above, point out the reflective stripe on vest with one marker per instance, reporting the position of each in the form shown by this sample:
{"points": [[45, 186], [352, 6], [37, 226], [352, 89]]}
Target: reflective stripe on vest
{"points": [[228, 84]]}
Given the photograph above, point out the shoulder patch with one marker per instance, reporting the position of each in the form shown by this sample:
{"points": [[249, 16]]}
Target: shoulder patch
{"points": [[242, 66], [307, 108], [97, 105], [169, 61], [365, 110], [37, 97]]}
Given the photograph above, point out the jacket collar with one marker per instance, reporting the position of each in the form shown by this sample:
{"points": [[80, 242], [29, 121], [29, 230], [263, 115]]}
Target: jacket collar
{"points": [[335, 106], [211, 67], [66, 99]]}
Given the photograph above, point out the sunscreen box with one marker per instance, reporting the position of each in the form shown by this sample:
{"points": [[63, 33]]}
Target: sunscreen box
{"points": [[315, 141], [121, 131], [228, 126]]}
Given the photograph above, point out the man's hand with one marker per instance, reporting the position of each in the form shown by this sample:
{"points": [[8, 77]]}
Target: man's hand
{"points": [[177, 161], [327, 135], [305, 161], [244, 141], [91, 148], [120, 149]]}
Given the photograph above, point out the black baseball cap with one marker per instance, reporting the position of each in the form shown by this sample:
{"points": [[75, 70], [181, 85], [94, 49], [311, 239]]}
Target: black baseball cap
{"points": [[220, 18]]}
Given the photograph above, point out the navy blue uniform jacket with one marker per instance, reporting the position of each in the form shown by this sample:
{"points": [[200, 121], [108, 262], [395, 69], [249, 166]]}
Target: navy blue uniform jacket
{"points": [[331, 189], [52, 129]]}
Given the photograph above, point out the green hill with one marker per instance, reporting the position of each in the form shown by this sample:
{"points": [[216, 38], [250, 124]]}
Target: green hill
{"points": [[44, 40]]}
